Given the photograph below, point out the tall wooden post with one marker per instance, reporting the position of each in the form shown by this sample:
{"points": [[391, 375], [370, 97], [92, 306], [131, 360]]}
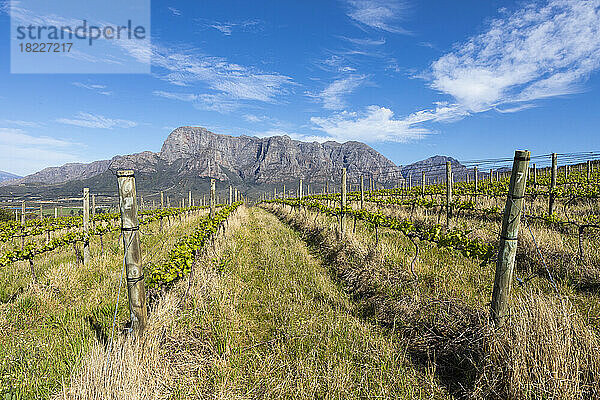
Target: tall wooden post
{"points": [[236, 195], [362, 192], [41, 212], [86, 226], [283, 194], [93, 205], [553, 173], [189, 198], [589, 170], [230, 195], [300, 194], [448, 193], [55, 212], [534, 175], [343, 203], [133, 252], [409, 181], [508, 237], [423, 183], [162, 199], [213, 188], [22, 212], [274, 193]]}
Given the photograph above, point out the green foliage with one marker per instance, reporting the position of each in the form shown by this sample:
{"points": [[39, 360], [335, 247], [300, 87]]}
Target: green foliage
{"points": [[181, 257]]}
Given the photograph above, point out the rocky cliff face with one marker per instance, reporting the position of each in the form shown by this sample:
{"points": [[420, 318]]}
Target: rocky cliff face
{"points": [[269, 160], [194, 152]]}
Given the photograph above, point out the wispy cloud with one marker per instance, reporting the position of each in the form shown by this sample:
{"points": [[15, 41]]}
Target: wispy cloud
{"points": [[88, 120], [24, 153], [376, 124], [365, 41], [535, 53], [333, 95], [14, 136], [100, 89], [209, 102], [227, 28], [383, 15], [174, 11], [24, 124]]}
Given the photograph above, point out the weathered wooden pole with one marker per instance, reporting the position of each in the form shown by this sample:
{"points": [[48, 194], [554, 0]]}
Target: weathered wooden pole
{"points": [[93, 205], [343, 203], [274, 193], [409, 181], [230, 195], [476, 180], [423, 183], [283, 194], [448, 193], [236, 195], [86, 226], [362, 192], [41, 212], [22, 212], [133, 252], [553, 174], [589, 171], [213, 188], [55, 212], [508, 238], [534, 175], [162, 199], [189, 198], [300, 194]]}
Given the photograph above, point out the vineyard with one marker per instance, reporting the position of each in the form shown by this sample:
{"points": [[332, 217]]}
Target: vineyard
{"points": [[353, 290]]}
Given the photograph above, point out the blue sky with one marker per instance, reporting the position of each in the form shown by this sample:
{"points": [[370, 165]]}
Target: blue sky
{"points": [[472, 79]]}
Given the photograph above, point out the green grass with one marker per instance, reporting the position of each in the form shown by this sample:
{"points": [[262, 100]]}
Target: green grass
{"points": [[47, 328], [281, 327]]}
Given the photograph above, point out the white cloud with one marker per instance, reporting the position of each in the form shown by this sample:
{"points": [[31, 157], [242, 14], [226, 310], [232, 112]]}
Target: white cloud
{"points": [[332, 96], [225, 29], [375, 125], [535, 53], [24, 154], [88, 120], [13, 136], [100, 89], [252, 118], [234, 81], [174, 11], [210, 102], [379, 14], [293, 135], [25, 124], [365, 42]]}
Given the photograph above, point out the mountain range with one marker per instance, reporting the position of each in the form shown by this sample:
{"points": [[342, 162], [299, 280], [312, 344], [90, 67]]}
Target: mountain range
{"points": [[190, 156]]}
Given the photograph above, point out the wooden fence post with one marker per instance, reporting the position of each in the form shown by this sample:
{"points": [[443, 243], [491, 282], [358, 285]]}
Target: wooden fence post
{"points": [[508, 237], [553, 174], [22, 212], [189, 198], [476, 178], [589, 171], [86, 226], [343, 203], [300, 190], [230, 195], [41, 212], [448, 193], [423, 183], [55, 212], [162, 199], [283, 194], [213, 188], [362, 192], [133, 252], [534, 175]]}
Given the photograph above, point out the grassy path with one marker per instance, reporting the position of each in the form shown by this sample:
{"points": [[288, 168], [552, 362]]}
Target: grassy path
{"points": [[282, 328]]}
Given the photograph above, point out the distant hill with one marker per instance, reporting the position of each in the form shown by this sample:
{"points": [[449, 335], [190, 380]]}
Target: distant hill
{"points": [[190, 156], [7, 176]]}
